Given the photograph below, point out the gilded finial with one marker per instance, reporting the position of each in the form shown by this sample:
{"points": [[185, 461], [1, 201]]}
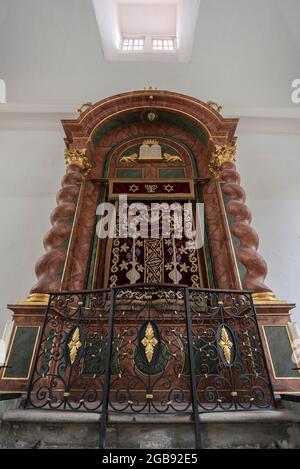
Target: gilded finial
{"points": [[217, 107], [84, 107]]}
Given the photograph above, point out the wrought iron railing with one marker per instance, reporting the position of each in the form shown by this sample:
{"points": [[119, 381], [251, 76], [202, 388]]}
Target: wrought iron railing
{"points": [[150, 349]]}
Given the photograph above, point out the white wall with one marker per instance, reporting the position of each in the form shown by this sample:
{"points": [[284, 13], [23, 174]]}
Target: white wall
{"points": [[269, 166], [32, 167]]}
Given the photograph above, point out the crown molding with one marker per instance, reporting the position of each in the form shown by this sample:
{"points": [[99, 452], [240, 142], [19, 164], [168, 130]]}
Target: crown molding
{"points": [[23, 116], [276, 120]]}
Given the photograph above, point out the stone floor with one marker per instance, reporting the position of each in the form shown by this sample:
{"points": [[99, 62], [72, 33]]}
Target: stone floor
{"points": [[240, 429]]}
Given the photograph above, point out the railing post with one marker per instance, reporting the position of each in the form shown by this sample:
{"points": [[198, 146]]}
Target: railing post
{"points": [[38, 351], [192, 368], [106, 386], [263, 353]]}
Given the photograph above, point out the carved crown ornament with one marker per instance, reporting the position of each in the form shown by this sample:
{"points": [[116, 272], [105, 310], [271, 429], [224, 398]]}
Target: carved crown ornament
{"points": [[222, 154], [78, 158]]}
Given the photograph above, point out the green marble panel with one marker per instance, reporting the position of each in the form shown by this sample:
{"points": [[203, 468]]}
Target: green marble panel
{"points": [[21, 352], [171, 173], [281, 351], [132, 173]]}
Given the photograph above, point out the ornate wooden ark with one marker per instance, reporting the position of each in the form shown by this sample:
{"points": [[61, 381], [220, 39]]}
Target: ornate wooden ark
{"points": [[150, 323]]}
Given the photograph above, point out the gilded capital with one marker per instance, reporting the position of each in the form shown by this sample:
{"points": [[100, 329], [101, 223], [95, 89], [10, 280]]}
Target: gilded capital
{"points": [[222, 154], [78, 158]]}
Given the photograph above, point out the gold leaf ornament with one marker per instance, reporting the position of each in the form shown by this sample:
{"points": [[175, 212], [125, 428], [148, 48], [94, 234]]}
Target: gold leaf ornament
{"points": [[149, 342], [74, 345], [226, 345]]}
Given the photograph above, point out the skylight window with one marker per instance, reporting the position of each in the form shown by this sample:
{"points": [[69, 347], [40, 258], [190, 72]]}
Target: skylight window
{"points": [[132, 44], [161, 44], [147, 30]]}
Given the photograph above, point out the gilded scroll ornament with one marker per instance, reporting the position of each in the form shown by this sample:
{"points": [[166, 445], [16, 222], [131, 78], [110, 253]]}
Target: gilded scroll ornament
{"points": [[149, 342], [77, 157], [214, 105], [84, 107], [226, 345], [74, 345], [222, 154]]}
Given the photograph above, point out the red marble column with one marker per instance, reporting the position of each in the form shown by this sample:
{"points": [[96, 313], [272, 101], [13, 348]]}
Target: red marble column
{"points": [[246, 253], [50, 266]]}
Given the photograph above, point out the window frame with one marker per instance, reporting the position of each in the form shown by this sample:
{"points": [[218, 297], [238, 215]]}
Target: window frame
{"points": [[126, 48], [171, 40]]}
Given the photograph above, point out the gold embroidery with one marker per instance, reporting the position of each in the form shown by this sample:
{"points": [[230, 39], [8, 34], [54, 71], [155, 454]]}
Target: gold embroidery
{"points": [[133, 188], [151, 188], [154, 261], [168, 188]]}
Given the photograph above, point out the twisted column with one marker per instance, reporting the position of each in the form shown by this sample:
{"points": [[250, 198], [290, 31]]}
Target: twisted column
{"points": [[222, 167], [49, 267]]}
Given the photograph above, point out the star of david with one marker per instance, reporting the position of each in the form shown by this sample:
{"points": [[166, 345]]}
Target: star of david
{"points": [[168, 188], [133, 188]]}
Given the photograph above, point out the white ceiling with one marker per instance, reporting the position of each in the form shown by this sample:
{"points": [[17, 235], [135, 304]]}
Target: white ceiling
{"points": [[245, 54], [140, 19]]}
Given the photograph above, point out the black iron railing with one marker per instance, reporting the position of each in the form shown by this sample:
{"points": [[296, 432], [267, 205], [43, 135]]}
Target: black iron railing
{"points": [[144, 349]]}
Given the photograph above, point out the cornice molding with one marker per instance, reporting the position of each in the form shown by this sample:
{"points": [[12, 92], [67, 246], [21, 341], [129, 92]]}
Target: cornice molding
{"points": [[21, 116]]}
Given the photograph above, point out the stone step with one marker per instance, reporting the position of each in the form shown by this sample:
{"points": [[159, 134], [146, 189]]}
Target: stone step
{"points": [[66, 429]]}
